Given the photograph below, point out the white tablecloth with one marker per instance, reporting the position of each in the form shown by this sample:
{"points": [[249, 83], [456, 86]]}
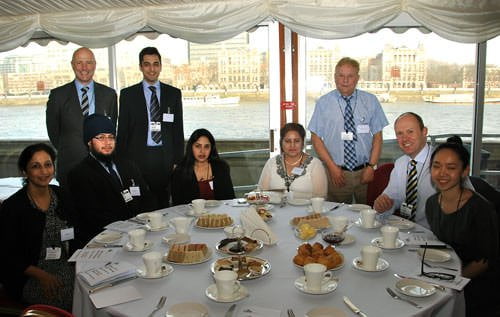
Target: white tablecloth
{"points": [[9, 186], [276, 290]]}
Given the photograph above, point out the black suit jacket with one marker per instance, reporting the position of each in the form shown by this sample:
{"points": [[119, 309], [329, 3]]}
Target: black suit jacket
{"points": [[133, 125], [64, 120], [98, 200]]}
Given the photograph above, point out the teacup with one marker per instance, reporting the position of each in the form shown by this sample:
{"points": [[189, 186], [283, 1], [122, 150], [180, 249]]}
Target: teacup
{"points": [[317, 204], [136, 238], [198, 206], [369, 257], [181, 224], [155, 220], [368, 218], [389, 236], [227, 284], [153, 263], [316, 276], [339, 223]]}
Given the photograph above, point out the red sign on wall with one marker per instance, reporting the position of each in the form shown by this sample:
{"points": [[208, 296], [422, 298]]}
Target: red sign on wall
{"points": [[288, 105]]}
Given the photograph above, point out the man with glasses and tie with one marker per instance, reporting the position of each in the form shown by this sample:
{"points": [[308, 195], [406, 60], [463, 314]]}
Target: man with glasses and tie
{"points": [[346, 132], [104, 187], [150, 126], [69, 104]]}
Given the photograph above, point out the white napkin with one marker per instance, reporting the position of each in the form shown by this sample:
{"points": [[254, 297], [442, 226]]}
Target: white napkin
{"points": [[251, 221], [114, 296]]}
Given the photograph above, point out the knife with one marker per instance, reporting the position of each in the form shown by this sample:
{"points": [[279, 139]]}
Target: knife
{"points": [[230, 311], [353, 307], [100, 287]]}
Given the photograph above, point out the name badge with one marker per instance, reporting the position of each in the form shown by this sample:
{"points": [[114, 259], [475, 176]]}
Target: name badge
{"points": [[155, 126], [211, 183], [168, 117], [346, 136], [135, 190], [67, 234], [126, 195], [363, 128], [297, 170], [406, 210], [53, 253]]}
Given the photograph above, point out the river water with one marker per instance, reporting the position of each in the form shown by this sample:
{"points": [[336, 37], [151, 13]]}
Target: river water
{"points": [[250, 120]]}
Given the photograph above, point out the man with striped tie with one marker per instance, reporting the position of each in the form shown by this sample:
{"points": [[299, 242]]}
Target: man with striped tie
{"points": [[67, 107], [346, 132]]}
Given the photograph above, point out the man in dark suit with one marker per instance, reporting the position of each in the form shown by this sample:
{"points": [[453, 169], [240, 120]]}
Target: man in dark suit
{"points": [[104, 188], [150, 126], [69, 104]]}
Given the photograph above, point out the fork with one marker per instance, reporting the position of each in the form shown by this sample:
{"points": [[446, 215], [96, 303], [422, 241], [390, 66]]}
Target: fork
{"points": [[396, 296], [159, 306], [290, 313], [433, 266]]}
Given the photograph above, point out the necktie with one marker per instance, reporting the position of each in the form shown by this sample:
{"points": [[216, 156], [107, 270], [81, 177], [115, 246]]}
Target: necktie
{"points": [[154, 112], [349, 148], [85, 101], [114, 176], [411, 187]]}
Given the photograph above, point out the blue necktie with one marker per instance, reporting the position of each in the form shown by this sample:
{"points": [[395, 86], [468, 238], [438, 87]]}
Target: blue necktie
{"points": [[349, 148], [155, 114]]}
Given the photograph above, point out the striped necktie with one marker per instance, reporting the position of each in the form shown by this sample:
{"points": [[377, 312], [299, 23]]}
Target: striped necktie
{"points": [[411, 187], [85, 101], [349, 148], [154, 111]]}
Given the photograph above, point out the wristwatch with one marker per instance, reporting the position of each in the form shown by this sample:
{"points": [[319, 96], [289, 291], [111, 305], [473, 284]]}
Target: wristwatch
{"points": [[374, 166]]}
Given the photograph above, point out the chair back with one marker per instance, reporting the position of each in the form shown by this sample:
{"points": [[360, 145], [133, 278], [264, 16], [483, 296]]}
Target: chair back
{"points": [[45, 311], [379, 183]]}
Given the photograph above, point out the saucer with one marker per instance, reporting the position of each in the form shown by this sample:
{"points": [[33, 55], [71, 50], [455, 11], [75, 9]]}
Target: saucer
{"points": [[325, 311], [166, 269], [299, 202], [211, 293], [382, 265], [326, 288], [148, 244], [212, 203], [415, 288], [191, 212], [434, 255], [359, 207], [323, 211], [187, 309], [401, 223], [164, 227], [376, 224], [106, 237], [348, 239], [378, 242], [176, 238]]}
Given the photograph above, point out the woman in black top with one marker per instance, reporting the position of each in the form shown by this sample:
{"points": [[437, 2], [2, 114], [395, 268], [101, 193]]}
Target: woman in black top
{"points": [[201, 173], [34, 268], [466, 221]]}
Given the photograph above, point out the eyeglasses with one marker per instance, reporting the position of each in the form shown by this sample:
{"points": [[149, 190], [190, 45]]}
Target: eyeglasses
{"points": [[103, 137], [438, 275]]}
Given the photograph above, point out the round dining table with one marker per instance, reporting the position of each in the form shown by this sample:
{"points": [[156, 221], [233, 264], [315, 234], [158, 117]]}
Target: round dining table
{"points": [[276, 290]]}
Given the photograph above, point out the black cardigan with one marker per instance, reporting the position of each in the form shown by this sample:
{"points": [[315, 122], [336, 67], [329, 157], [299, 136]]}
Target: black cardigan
{"points": [[185, 189]]}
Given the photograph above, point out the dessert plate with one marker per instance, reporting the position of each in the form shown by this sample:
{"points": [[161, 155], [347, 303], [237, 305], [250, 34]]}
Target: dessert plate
{"points": [[379, 242], [434, 255], [211, 293], [415, 288], [359, 207], [106, 237], [166, 269], [187, 309], [326, 288], [382, 265], [401, 223]]}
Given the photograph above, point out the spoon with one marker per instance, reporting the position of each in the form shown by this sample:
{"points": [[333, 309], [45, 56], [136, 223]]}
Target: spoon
{"points": [[437, 286]]}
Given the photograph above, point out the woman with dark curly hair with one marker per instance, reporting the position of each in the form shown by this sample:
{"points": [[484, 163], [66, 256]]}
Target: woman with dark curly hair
{"points": [[201, 173]]}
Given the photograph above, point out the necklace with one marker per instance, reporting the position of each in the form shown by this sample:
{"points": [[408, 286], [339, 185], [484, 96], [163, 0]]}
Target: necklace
{"points": [[296, 162], [458, 202]]}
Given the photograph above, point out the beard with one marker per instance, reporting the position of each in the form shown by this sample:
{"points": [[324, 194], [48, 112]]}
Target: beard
{"points": [[103, 157]]}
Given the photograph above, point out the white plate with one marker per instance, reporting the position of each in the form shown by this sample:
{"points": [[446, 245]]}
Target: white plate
{"points": [[326, 288], [163, 227], [382, 265], [191, 213], [325, 312], [324, 211], [187, 309], [108, 237], [415, 288], [359, 224], [299, 202], [205, 259], [359, 207], [434, 255], [166, 269], [212, 203], [143, 216], [211, 293], [401, 223], [378, 242], [176, 238], [148, 244]]}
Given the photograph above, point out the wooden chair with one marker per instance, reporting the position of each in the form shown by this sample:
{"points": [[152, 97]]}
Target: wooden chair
{"points": [[379, 183]]}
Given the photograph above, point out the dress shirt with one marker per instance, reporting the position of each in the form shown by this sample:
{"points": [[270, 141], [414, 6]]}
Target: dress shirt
{"points": [[327, 122], [147, 95], [90, 95]]}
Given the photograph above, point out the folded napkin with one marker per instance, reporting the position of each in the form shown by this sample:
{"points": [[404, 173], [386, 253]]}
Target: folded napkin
{"points": [[256, 228]]}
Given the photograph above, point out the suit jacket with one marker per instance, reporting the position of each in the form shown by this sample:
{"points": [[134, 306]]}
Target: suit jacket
{"points": [[133, 125], [185, 189], [64, 121], [98, 200]]}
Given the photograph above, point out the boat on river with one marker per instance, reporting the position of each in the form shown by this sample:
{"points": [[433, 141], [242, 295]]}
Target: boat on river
{"points": [[457, 98]]}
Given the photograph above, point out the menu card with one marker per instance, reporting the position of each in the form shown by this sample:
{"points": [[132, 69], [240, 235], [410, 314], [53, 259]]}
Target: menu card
{"points": [[93, 255], [111, 272]]}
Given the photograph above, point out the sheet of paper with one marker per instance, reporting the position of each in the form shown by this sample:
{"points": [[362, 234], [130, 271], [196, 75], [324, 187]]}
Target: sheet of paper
{"points": [[114, 295], [420, 239], [93, 255], [109, 272]]}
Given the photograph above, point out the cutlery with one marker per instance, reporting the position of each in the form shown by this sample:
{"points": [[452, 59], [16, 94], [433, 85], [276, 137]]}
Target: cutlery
{"points": [[290, 313], [353, 307], [433, 266], [230, 311], [396, 296], [437, 286], [159, 306], [100, 287], [336, 207], [434, 246]]}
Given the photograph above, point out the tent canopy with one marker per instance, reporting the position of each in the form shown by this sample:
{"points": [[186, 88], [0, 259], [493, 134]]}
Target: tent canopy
{"points": [[100, 23]]}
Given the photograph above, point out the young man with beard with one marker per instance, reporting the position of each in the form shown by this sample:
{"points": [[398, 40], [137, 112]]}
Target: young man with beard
{"points": [[104, 188]]}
